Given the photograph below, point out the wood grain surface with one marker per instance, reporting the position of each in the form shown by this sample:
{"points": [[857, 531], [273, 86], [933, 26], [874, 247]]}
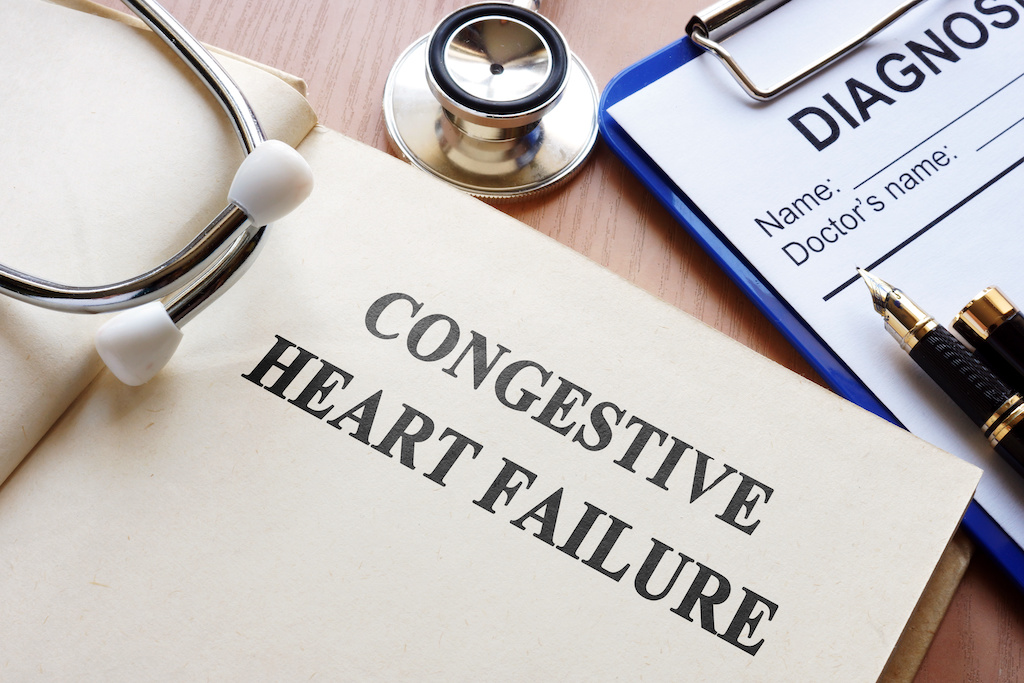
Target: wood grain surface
{"points": [[344, 50]]}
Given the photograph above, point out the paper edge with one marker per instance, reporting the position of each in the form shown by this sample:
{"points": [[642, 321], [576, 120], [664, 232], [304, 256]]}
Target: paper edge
{"points": [[919, 632]]}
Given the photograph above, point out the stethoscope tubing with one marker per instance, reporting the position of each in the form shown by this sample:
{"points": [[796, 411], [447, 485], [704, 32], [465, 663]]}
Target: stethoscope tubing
{"points": [[187, 264], [204, 266], [208, 69]]}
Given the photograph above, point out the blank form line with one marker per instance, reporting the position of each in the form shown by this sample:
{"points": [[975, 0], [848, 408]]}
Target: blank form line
{"points": [[1000, 135], [926, 228], [876, 173]]}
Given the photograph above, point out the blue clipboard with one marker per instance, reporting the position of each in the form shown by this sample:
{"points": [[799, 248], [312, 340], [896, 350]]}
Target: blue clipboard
{"points": [[985, 531]]}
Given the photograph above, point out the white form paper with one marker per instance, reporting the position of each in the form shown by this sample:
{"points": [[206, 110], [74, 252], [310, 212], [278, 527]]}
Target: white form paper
{"points": [[903, 158]]}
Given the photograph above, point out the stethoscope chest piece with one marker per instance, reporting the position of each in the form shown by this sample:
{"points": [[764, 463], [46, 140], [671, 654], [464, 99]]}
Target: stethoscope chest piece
{"points": [[493, 102]]}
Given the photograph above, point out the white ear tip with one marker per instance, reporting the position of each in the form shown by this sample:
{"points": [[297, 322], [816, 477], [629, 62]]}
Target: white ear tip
{"points": [[137, 343], [272, 181]]}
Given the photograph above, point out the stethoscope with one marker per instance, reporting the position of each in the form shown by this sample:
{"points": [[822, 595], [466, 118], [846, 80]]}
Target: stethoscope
{"points": [[493, 102], [271, 181]]}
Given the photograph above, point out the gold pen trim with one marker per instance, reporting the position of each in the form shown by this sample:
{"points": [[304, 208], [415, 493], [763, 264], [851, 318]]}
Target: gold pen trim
{"points": [[1006, 426], [1000, 413], [987, 311], [916, 333]]}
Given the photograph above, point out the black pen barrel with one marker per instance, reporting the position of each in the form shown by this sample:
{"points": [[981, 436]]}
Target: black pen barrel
{"points": [[987, 401], [971, 385], [976, 390]]}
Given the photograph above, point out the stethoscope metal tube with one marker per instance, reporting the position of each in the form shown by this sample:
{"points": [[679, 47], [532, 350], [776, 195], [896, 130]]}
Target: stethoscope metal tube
{"points": [[272, 180], [203, 65], [188, 263], [202, 291], [202, 251]]}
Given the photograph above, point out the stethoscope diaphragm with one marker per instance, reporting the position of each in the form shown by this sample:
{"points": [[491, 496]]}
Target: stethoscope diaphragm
{"points": [[493, 102]]}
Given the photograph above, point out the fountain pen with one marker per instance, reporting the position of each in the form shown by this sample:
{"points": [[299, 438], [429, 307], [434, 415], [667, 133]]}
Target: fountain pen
{"points": [[990, 404]]}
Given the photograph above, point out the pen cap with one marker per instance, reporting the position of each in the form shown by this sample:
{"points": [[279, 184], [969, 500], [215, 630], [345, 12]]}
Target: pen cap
{"points": [[982, 314], [995, 328]]}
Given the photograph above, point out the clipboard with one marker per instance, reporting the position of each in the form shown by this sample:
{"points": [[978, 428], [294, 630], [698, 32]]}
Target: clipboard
{"points": [[981, 527]]}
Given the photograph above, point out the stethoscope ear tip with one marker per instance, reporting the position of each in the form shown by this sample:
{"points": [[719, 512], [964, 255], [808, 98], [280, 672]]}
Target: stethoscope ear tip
{"points": [[271, 182], [136, 344]]}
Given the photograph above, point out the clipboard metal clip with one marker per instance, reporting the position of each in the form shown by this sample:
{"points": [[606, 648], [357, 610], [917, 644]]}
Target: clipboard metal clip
{"points": [[714, 24]]}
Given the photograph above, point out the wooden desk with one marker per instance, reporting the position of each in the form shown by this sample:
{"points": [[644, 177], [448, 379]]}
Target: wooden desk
{"points": [[345, 48]]}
